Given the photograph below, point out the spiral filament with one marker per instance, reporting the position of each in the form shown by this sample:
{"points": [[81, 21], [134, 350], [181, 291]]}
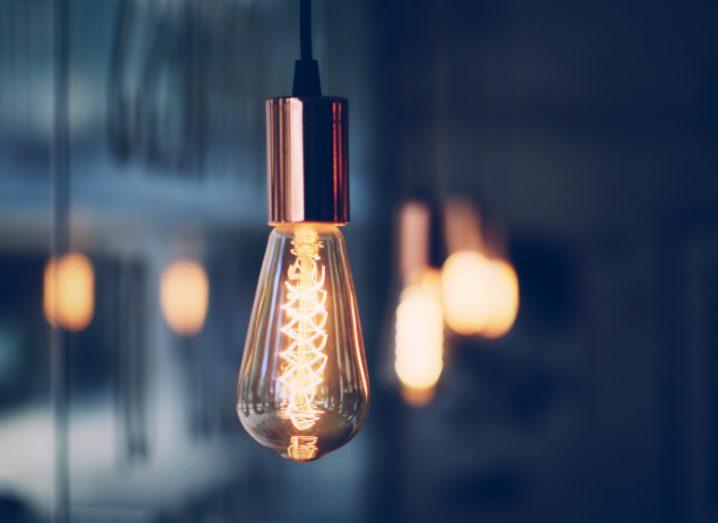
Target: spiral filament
{"points": [[304, 359], [303, 448]]}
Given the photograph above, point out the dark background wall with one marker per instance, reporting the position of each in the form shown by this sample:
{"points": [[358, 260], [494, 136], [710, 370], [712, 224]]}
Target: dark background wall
{"points": [[587, 130]]}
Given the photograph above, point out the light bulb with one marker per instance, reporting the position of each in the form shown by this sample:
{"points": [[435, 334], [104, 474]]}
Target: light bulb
{"points": [[184, 296], [69, 291], [302, 388], [466, 286], [419, 339], [504, 298]]}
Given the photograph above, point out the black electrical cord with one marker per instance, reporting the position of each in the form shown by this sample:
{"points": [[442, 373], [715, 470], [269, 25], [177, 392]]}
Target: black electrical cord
{"points": [[305, 29], [306, 69]]}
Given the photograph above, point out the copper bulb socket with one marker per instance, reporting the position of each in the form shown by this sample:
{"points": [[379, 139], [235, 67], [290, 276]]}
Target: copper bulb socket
{"points": [[308, 160]]}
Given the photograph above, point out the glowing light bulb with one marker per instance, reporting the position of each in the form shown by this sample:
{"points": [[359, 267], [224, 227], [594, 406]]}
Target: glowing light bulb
{"points": [[69, 291], [302, 388], [504, 296], [466, 287], [184, 296], [419, 340]]}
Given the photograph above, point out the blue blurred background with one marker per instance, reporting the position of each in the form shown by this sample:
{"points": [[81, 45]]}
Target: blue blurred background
{"points": [[133, 131]]}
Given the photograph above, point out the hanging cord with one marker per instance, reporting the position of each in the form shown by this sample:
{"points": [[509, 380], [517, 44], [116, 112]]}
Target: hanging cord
{"points": [[306, 69], [305, 28]]}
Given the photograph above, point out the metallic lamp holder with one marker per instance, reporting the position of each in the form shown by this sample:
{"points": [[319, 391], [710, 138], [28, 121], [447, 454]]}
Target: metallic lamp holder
{"points": [[308, 160]]}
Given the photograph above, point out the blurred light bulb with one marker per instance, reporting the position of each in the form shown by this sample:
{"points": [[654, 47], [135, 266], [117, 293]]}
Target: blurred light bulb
{"points": [[466, 284], [302, 388], [504, 298], [69, 291], [184, 296], [419, 341]]}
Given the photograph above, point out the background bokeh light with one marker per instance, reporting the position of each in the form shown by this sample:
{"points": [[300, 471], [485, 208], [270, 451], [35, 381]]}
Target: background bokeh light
{"points": [[184, 296], [69, 291], [504, 297], [419, 338], [466, 288]]}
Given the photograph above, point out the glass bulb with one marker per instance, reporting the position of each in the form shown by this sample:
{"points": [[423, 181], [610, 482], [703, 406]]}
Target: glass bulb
{"points": [[303, 388], [504, 299], [466, 283], [419, 338]]}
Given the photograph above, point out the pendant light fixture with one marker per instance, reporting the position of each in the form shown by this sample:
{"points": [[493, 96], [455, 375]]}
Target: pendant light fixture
{"points": [[465, 274], [419, 319], [480, 287], [303, 389]]}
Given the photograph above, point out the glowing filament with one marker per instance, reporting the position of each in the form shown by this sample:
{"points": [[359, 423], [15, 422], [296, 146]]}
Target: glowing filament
{"points": [[306, 317], [303, 448]]}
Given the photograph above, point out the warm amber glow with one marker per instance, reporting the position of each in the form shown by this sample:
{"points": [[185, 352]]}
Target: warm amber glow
{"points": [[69, 291], [184, 296], [417, 397], [302, 448], [302, 389], [504, 299], [419, 338], [466, 285], [306, 314]]}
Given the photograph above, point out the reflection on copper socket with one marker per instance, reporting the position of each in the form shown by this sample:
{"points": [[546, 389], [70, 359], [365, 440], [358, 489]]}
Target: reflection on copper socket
{"points": [[308, 160]]}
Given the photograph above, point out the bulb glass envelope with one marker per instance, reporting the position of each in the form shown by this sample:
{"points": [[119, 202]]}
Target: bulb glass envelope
{"points": [[303, 388]]}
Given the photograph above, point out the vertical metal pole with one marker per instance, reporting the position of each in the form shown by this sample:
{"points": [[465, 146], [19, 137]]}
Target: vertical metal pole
{"points": [[59, 244]]}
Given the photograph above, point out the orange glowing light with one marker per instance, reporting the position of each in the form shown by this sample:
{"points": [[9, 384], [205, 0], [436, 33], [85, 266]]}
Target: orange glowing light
{"points": [[304, 359], [184, 296], [302, 448], [466, 285], [504, 299], [69, 291], [417, 397], [419, 339]]}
